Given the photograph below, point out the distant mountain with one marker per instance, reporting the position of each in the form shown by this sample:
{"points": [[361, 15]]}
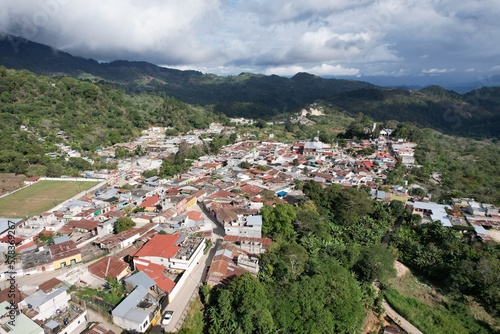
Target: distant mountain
{"points": [[191, 86], [476, 113]]}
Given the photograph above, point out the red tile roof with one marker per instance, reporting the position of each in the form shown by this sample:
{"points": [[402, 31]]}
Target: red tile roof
{"points": [[194, 215], [49, 285], [160, 246], [223, 269], [25, 246], [223, 194], [150, 201], [108, 266], [155, 272]]}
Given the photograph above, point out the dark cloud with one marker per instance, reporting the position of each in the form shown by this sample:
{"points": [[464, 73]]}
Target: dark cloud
{"points": [[403, 39]]}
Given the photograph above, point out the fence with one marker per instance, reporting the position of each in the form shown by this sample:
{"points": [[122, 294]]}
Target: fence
{"points": [[92, 305]]}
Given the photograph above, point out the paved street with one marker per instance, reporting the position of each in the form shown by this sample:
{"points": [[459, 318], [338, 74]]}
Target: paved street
{"points": [[180, 304], [402, 322]]}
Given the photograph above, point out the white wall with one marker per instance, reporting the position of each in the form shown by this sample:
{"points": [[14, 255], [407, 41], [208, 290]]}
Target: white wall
{"points": [[49, 308], [77, 325]]}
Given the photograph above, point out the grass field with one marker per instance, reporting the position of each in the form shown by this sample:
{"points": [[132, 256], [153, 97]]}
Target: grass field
{"points": [[40, 197]]}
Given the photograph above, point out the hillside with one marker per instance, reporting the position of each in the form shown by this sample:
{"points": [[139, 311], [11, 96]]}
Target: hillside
{"points": [[475, 114], [34, 109]]}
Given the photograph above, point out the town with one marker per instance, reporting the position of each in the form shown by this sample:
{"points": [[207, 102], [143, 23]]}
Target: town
{"points": [[131, 252]]}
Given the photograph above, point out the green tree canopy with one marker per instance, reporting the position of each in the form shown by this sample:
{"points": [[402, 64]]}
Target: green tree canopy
{"points": [[123, 224]]}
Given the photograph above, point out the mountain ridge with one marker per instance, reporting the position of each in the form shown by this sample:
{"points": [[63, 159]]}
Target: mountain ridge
{"points": [[475, 113]]}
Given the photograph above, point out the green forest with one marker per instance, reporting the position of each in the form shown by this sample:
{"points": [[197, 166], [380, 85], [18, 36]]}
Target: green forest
{"points": [[90, 116], [327, 252]]}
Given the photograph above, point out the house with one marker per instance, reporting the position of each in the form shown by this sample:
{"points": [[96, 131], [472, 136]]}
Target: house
{"points": [[475, 208], [140, 278], [51, 285], [43, 306], [126, 238], [83, 225], [150, 203], [160, 249], [436, 212], [21, 324], [176, 251], [109, 266], [138, 311], [250, 226], [224, 266], [249, 245], [65, 254], [157, 273], [106, 227]]}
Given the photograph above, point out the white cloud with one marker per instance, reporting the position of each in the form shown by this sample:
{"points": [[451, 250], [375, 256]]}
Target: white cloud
{"points": [[363, 36], [320, 70], [437, 70]]}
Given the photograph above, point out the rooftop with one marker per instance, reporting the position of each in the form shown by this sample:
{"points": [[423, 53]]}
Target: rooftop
{"points": [[161, 246], [63, 250], [108, 266], [23, 324], [437, 212], [156, 273], [137, 306]]}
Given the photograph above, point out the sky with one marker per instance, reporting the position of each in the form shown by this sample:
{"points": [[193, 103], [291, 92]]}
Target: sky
{"points": [[412, 42]]}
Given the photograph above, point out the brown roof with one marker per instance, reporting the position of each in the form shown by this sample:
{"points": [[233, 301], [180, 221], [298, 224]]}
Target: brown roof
{"points": [[6, 295], [84, 224], [49, 285], [223, 269], [98, 328], [63, 250], [108, 266]]}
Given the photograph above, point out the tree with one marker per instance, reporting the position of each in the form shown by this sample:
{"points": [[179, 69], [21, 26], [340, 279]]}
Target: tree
{"points": [[295, 256], [397, 208], [418, 192], [375, 263], [123, 224], [241, 308], [245, 165], [115, 287], [277, 221], [46, 237]]}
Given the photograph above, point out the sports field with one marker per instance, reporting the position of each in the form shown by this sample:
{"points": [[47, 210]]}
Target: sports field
{"points": [[40, 197]]}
